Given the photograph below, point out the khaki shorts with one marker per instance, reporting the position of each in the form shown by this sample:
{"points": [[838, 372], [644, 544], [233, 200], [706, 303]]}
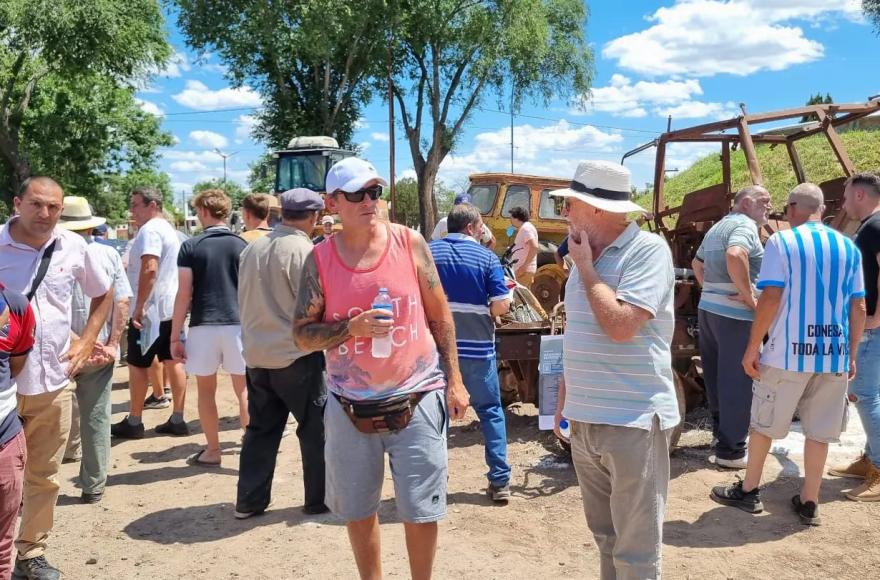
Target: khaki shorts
{"points": [[819, 399]]}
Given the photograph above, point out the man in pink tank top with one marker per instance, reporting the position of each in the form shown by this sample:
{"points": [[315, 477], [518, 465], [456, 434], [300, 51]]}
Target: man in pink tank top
{"points": [[397, 403]]}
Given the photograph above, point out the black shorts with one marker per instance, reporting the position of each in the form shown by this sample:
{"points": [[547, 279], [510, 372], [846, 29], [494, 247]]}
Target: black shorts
{"points": [[161, 348]]}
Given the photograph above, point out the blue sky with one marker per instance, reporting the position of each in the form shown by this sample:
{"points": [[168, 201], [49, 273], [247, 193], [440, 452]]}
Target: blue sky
{"points": [[693, 59]]}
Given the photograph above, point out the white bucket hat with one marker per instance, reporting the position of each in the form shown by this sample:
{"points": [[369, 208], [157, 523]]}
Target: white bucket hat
{"points": [[77, 215], [602, 184]]}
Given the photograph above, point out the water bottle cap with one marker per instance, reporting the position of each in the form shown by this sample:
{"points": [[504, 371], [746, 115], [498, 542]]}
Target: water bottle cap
{"points": [[563, 423], [383, 290]]}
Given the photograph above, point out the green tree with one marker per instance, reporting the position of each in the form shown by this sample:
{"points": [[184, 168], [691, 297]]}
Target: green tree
{"points": [[310, 61], [235, 192], [816, 99], [871, 9], [57, 54], [406, 192], [262, 173], [112, 200], [449, 56]]}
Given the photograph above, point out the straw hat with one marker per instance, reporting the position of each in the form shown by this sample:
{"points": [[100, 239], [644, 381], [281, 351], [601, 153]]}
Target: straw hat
{"points": [[602, 184], [77, 215]]}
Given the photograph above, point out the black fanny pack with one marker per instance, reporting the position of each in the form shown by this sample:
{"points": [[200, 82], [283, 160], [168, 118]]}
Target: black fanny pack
{"points": [[381, 416]]}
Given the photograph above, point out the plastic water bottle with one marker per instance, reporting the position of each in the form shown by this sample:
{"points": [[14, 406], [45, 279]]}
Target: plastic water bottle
{"points": [[382, 344], [565, 428]]}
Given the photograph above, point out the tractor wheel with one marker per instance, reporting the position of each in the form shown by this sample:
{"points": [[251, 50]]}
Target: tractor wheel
{"points": [[549, 285], [682, 409]]}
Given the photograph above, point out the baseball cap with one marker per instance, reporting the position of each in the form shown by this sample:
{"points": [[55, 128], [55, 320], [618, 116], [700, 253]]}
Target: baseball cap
{"points": [[301, 199], [462, 198], [351, 174], [328, 220]]}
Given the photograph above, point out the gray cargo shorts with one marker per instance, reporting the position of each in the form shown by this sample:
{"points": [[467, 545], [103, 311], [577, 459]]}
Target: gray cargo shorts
{"points": [[355, 463]]}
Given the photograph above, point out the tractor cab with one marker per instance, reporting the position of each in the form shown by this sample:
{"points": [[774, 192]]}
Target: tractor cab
{"points": [[305, 163]]}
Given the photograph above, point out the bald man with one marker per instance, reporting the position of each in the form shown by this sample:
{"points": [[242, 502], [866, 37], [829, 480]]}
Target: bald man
{"points": [[45, 263]]}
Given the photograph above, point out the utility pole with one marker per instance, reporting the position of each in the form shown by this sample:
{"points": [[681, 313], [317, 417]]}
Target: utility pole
{"points": [[511, 129], [391, 189], [225, 156]]}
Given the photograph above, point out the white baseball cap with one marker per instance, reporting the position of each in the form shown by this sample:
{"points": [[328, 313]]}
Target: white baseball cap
{"points": [[352, 174], [328, 220]]}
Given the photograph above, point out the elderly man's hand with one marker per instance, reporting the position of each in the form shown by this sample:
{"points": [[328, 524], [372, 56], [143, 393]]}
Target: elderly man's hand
{"points": [[579, 246]]}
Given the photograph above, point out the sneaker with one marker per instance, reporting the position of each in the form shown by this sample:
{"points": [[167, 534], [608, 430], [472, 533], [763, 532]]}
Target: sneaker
{"points": [[125, 430], [313, 510], [243, 515], [91, 497], [857, 469], [154, 402], [740, 463], [808, 512], [167, 391], [870, 489], [35, 569], [176, 429], [734, 496], [498, 493]]}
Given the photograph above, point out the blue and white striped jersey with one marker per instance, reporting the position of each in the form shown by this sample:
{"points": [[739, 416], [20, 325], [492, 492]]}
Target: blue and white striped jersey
{"points": [[820, 272]]}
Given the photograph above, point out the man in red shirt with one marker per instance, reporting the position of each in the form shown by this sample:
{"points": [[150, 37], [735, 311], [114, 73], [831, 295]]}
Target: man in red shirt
{"points": [[16, 340]]}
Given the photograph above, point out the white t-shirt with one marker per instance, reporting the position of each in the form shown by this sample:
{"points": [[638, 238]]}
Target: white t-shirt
{"points": [[820, 272], [156, 238], [441, 230], [520, 251]]}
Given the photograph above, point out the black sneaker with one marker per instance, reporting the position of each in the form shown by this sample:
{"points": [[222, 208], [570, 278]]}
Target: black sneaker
{"points": [[176, 429], [808, 512], [498, 493], [167, 391], [154, 402], [91, 497], [734, 496], [125, 430], [35, 569]]}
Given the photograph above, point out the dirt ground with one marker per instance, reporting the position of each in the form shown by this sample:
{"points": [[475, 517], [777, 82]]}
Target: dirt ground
{"points": [[163, 519]]}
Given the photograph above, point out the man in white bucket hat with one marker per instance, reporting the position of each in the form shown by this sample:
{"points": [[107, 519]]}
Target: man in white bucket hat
{"points": [[618, 394]]}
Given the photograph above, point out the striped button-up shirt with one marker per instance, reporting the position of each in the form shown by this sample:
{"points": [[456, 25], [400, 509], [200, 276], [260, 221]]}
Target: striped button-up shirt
{"points": [[624, 384]]}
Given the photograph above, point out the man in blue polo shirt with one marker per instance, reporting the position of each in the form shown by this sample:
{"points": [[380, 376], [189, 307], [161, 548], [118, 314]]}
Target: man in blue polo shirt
{"points": [[474, 283], [812, 306]]}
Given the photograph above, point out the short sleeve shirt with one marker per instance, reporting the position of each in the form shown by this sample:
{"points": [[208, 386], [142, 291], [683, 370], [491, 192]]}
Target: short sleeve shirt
{"points": [[16, 339], [624, 384], [159, 239], [110, 261], [526, 233], [820, 273], [735, 230], [867, 239], [213, 258], [441, 230]]}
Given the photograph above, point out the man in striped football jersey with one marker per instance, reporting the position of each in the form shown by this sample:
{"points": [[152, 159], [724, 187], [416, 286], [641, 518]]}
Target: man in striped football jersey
{"points": [[813, 308]]}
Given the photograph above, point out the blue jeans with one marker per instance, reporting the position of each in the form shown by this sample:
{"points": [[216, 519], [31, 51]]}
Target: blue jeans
{"points": [[481, 381], [865, 389]]}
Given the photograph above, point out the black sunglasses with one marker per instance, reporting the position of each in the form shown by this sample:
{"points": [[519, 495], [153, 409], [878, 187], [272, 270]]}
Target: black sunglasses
{"points": [[358, 196]]}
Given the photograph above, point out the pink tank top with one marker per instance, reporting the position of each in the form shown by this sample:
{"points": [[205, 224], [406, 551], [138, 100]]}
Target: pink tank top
{"points": [[414, 365]]}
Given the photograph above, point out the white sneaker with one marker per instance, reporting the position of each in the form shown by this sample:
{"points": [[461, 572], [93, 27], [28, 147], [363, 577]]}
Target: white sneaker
{"points": [[729, 463]]}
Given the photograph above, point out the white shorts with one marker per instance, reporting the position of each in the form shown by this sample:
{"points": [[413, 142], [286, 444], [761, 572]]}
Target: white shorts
{"points": [[209, 347]]}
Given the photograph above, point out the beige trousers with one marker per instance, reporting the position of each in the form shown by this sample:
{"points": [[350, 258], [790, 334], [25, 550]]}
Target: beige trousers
{"points": [[624, 477], [46, 427]]}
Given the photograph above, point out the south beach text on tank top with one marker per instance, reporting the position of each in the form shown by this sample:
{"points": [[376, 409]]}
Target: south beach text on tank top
{"points": [[414, 365]]}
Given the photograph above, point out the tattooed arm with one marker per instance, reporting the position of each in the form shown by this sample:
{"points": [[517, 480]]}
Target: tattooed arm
{"points": [[311, 333], [441, 324]]}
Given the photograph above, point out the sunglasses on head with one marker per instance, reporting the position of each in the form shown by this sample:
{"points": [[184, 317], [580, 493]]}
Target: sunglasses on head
{"points": [[358, 196]]}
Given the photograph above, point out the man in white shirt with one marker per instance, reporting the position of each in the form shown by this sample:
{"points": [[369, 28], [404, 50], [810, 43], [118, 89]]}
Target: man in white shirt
{"points": [[27, 240], [441, 230], [152, 272]]}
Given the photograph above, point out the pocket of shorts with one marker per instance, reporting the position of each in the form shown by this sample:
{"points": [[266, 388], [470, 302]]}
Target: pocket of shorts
{"points": [[763, 405], [441, 404]]}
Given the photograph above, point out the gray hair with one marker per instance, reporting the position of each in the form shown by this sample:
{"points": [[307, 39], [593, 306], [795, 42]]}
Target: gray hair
{"points": [[809, 195], [867, 181], [149, 195], [462, 216], [749, 191]]}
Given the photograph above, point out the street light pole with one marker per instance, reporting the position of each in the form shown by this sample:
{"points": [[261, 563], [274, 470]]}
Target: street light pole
{"points": [[225, 156]]}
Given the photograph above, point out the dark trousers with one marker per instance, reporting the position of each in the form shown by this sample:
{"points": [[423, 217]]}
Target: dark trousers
{"points": [[272, 395], [723, 342]]}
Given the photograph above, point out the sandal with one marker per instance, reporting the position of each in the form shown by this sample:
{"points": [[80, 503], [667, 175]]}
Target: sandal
{"points": [[196, 459]]}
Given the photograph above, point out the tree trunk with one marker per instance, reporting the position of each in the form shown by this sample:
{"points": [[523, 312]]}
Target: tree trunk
{"points": [[427, 203]]}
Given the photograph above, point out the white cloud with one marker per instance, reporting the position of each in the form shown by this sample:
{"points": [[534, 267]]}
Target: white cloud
{"points": [[364, 146], [383, 137], [150, 107], [700, 110], [740, 37], [361, 123], [407, 174], [188, 166], [177, 65], [623, 98], [177, 186], [196, 95], [208, 139], [549, 150], [244, 126], [208, 157]]}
